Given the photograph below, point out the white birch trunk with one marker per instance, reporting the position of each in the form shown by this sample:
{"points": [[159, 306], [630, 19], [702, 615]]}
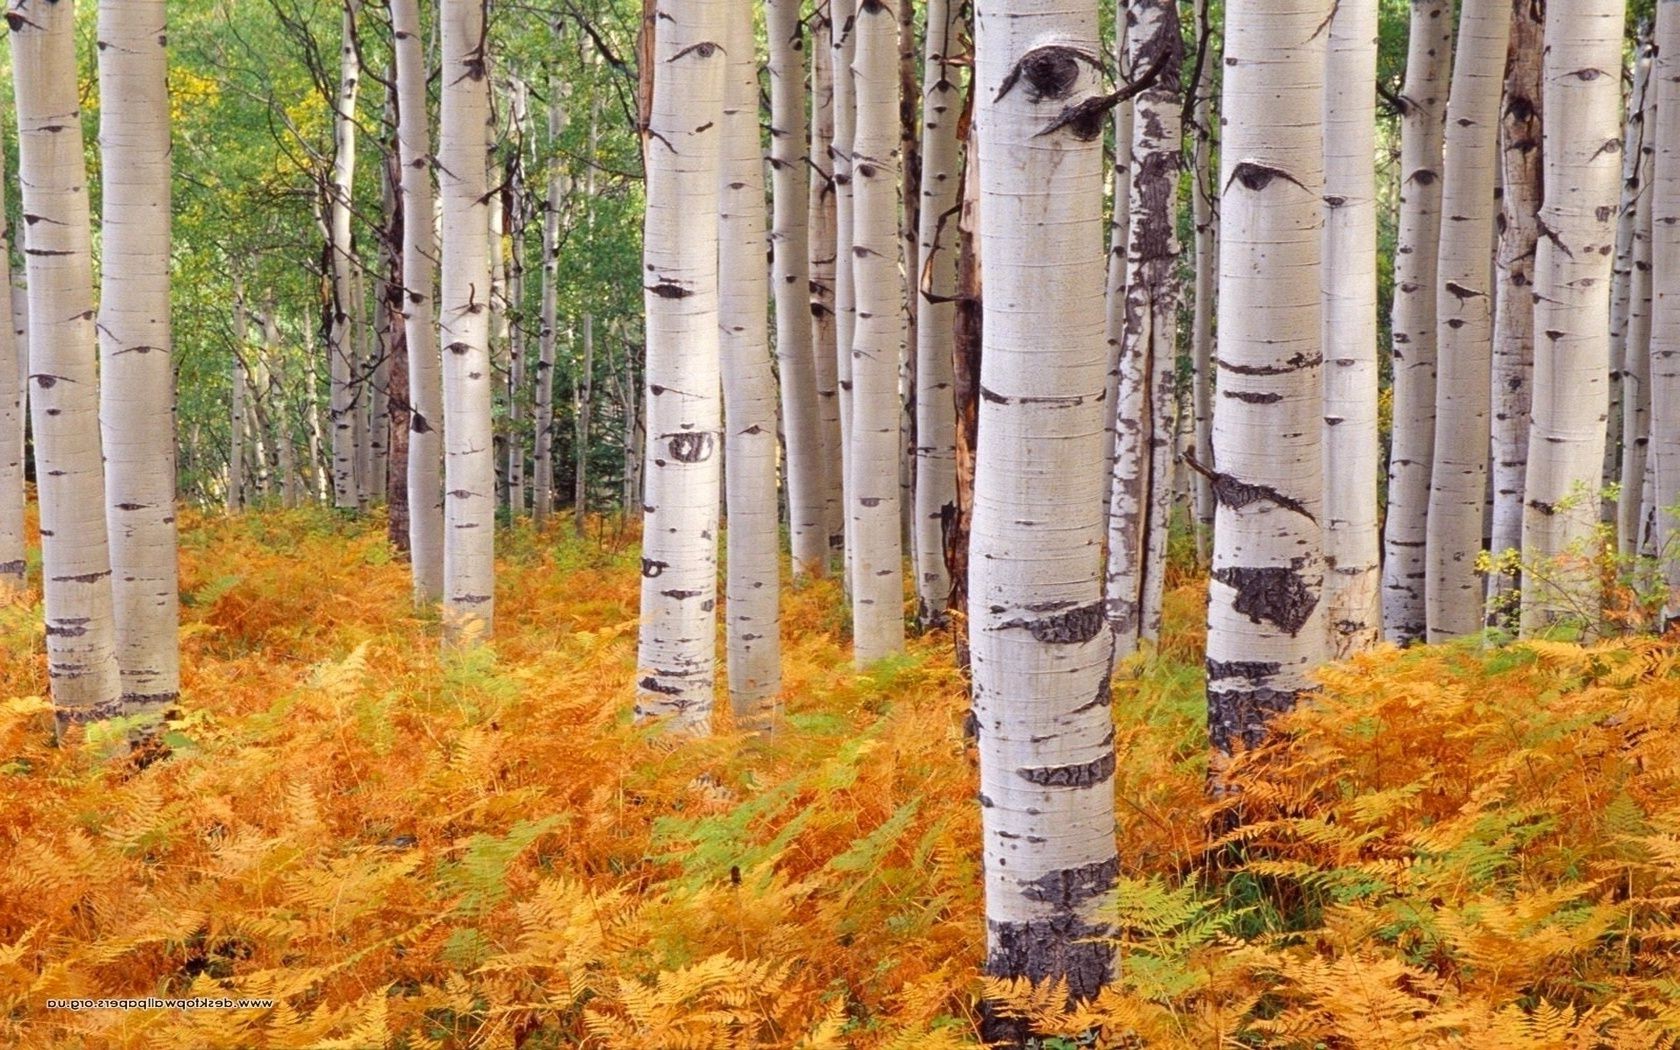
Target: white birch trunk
{"points": [[936, 284], [1416, 262], [341, 345], [1121, 394], [585, 399], [1665, 307], [542, 482], [877, 343], [63, 351], [1351, 450], [822, 249], [469, 455], [500, 346], [238, 394], [1040, 650], [843, 14], [14, 369], [753, 586], [1513, 310], [1635, 350], [1571, 314], [1266, 617], [677, 651], [1203, 191], [1464, 323]]}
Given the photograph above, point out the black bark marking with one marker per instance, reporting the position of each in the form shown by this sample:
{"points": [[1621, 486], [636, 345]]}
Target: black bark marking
{"points": [[668, 289], [1081, 775], [1256, 177], [1271, 592], [654, 685], [1248, 670], [1243, 714], [652, 569], [1080, 624], [690, 448]]}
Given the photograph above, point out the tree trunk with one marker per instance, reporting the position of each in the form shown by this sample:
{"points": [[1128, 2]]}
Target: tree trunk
{"points": [[63, 350], [469, 457], [791, 280], [1513, 310], [1203, 192], [1464, 323], [822, 251], [968, 334], [844, 44], [238, 394], [399, 418], [291, 480], [1643, 93], [1571, 312], [341, 348], [14, 369], [1635, 355], [1665, 307], [1121, 405], [1351, 450], [1265, 617], [1040, 649], [425, 383], [677, 648], [542, 483], [513, 197], [1147, 332], [936, 286], [753, 586], [1416, 262]]}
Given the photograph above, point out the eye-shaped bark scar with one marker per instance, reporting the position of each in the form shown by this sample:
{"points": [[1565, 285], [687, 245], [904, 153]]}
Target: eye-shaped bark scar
{"points": [[1051, 72], [1256, 176], [690, 448], [704, 49]]}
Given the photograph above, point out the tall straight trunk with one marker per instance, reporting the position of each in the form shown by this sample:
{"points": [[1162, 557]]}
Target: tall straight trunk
{"points": [[361, 384], [500, 345], [14, 370], [585, 400], [968, 335], [1416, 262], [1665, 307], [677, 651], [1203, 191], [290, 477], [1635, 130], [395, 303], [514, 197], [1464, 323], [1040, 649], [936, 288], [822, 255], [1513, 310], [1630, 348], [542, 482], [469, 459], [238, 408], [419, 247], [791, 281], [1351, 450], [1571, 308], [1121, 405], [341, 338], [872, 499], [1148, 333], [137, 378], [753, 585], [909, 235], [63, 350], [1265, 616], [843, 14]]}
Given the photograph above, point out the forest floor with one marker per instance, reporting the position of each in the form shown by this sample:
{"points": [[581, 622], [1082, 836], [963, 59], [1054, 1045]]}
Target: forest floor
{"points": [[1465, 846]]}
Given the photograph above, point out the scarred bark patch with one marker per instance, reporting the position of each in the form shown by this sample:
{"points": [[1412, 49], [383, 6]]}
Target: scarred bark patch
{"points": [[1271, 592], [1079, 624]]}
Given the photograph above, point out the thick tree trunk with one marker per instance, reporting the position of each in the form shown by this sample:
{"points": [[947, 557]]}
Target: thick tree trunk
{"points": [[1464, 323], [1513, 310], [1148, 333], [1416, 262], [1266, 618], [1571, 312], [753, 586], [469, 458], [1041, 651], [791, 280], [63, 351], [872, 499], [1635, 350], [822, 250], [1351, 450], [425, 382], [677, 649], [1665, 307], [341, 340], [936, 288]]}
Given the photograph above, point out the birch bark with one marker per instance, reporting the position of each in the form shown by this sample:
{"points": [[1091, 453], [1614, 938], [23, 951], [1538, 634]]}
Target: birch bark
{"points": [[341, 347]]}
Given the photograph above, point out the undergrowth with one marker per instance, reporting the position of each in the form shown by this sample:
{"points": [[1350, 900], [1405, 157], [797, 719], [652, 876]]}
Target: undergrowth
{"points": [[1452, 846]]}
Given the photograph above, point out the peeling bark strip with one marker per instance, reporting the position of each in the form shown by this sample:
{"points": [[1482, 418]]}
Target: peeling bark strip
{"points": [[62, 343], [137, 385], [469, 451], [1039, 653], [1572, 270], [1264, 609], [676, 649]]}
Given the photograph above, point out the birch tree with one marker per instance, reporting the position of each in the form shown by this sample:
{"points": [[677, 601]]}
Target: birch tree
{"points": [[936, 288], [63, 350], [1513, 310], [469, 454], [749, 389], [1040, 650], [542, 484], [1265, 614], [823, 219], [425, 380], [14, 370], [872, 499], [137, 388], [1582, 97], [1416, 260], [1665, 306], [676, 656], [341, 331], [1351, 545], [1635, 356], [1203, 192], [791, 280], [843, 17], [1464, 323]]}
